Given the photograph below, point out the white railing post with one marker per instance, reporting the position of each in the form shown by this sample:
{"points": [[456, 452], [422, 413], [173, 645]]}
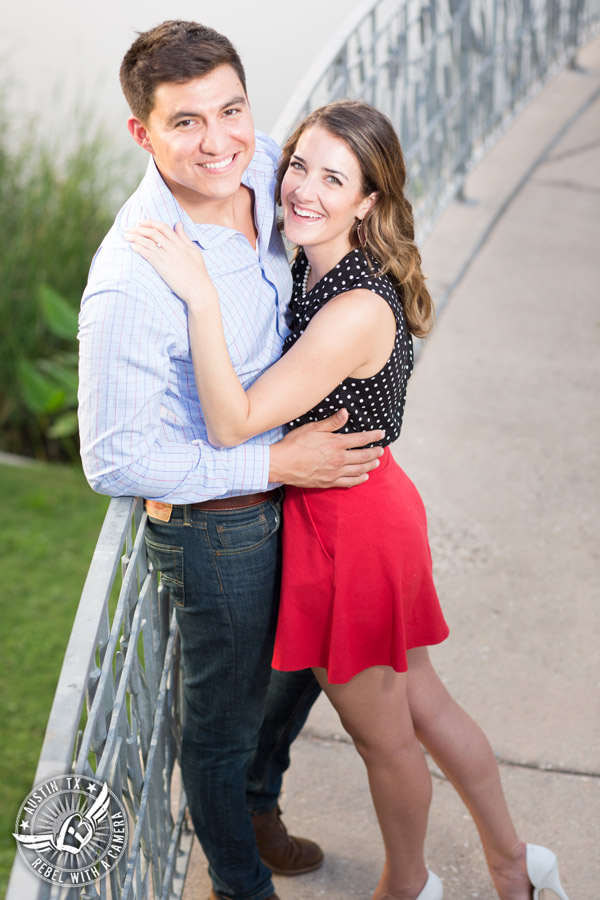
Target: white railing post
{"points": [[119, 684]]}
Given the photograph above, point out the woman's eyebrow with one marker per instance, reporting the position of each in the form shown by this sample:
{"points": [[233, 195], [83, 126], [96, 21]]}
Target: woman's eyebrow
{"points": [[325, 169], [335, 172]]}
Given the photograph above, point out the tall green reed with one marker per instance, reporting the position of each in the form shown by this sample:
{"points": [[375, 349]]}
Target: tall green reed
{"points": [[55, 207]]}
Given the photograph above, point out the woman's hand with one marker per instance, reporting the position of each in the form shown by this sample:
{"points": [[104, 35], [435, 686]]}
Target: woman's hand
{"points": [[176, 258]]}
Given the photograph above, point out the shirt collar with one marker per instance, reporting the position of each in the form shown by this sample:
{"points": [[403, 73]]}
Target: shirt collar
{"points": [[162, 206]]}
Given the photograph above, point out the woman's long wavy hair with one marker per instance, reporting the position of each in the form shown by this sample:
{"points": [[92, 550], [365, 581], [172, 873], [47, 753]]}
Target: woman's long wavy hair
{"points": [[388, 227]]}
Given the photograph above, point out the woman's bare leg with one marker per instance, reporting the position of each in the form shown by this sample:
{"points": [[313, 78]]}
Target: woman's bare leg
{"points": [[373, 708], [463, 753]]}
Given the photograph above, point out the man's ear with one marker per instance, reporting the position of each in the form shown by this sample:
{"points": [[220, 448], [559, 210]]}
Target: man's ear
{"points": [[139, 133]]}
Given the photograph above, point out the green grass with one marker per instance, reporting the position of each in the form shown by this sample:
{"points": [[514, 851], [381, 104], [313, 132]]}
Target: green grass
{"points": [[48, 530]]}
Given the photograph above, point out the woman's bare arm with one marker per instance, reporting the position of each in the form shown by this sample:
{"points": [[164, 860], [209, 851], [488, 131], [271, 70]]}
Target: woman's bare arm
{"points": [[343, 337]]}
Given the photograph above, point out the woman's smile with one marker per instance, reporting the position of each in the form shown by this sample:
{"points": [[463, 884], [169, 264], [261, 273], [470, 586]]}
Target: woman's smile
{"points": [[322, 196]]}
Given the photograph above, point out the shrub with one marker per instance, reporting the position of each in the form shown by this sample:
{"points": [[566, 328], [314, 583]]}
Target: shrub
{"points": [[54, 210]]}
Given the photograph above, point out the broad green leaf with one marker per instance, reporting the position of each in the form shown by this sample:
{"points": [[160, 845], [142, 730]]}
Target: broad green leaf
{"points": [[59, 315], [64, 377], [40, 394], [65, 426]]}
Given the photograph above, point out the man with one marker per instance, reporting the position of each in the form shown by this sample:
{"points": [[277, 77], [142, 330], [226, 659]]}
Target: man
{"points": [[214, 514]]}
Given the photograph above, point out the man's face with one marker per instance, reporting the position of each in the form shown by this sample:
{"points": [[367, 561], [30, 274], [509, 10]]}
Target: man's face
{"points": [[201, 135]]}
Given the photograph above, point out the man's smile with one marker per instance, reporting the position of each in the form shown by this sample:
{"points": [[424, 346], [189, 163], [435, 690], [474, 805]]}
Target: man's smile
{"points": [[221, 164]]}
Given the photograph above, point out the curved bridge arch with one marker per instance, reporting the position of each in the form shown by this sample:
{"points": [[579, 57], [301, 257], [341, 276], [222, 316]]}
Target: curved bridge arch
{"points": [[450, 74]]}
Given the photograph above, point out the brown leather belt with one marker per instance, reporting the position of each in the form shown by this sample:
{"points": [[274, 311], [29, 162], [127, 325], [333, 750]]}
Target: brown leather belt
{"points": [[163, 511], [240, 502]]}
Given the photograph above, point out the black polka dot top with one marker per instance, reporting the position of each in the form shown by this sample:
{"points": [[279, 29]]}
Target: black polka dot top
{"points": [[375, 402]]}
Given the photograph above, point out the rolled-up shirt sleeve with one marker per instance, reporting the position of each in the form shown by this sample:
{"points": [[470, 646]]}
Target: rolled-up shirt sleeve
{"points": [[127, 346]]}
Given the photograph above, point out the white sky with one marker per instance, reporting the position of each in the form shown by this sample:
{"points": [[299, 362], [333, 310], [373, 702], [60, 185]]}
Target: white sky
{"points": [[57, 54]]}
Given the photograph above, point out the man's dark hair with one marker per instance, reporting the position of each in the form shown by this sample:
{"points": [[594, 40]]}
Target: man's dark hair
{"points": [[174, 51]]}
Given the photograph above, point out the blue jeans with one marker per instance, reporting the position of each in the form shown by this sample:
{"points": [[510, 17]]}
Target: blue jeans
{"points": [[222, 570]]}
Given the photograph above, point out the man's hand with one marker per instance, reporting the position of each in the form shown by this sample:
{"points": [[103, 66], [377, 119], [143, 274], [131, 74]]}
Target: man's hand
{"points": [[311, 456]]}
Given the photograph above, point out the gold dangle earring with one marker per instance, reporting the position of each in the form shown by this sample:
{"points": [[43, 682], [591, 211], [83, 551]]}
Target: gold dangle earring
{"points": [[360, 232]]}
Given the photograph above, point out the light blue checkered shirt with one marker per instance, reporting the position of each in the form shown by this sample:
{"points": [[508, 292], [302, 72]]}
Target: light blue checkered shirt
{"points": [[141, 425]]}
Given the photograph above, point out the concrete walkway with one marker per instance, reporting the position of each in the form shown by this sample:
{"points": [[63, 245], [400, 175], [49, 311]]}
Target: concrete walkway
{"points": [[501, 436]]}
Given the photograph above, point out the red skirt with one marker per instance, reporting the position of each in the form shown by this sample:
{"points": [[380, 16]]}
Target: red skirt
{"points": [[357, 585]]}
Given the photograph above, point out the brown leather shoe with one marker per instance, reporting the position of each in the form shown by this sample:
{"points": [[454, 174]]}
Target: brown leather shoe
{"points": [[282, 853]]}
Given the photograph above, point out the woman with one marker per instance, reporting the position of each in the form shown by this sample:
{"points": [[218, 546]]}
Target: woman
{"points": [[358, 602]]}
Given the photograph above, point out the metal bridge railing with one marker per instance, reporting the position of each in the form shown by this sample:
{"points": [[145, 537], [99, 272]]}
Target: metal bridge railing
{"points": [[116, 717], [448, 73]]}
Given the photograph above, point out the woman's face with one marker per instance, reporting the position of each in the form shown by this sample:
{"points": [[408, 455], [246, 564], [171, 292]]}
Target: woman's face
{"points": [[321, 194]]}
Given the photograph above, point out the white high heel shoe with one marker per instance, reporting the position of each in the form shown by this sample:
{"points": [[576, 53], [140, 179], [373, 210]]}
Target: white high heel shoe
{"points": [[433, 890], [542, 870]]}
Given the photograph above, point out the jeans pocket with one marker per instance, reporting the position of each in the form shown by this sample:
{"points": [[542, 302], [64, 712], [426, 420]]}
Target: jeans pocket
{"points": [[241, 531], [169, 562]]}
